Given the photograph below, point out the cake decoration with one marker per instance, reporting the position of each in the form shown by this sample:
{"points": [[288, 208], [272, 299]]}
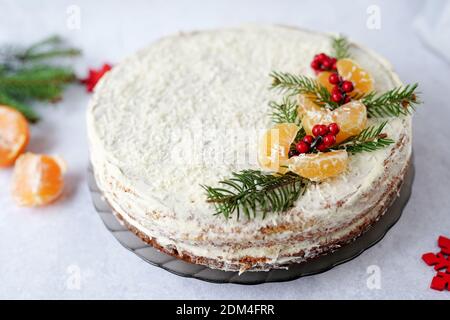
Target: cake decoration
{"points": [[441, 263], [314, 134]]}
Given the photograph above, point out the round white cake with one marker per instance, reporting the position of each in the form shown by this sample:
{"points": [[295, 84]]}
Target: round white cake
{"points": [[189, 109]]}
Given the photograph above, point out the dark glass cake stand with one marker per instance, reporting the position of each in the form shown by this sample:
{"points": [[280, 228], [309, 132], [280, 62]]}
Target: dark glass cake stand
{"points": [[318, 265]]}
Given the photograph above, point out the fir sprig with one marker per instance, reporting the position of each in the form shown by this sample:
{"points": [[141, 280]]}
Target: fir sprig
{"points": [[370, 139], [341, 47], [283, 112], [250, 192], [25, 76], [399, 101], [292, 84]]}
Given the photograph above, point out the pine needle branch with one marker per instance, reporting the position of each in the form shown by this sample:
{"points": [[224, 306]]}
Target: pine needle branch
{"points": [[40, 82], [291, 84], [24, 78], [284, 112], [51, 47], [370, 139], [399, 101], [341, 47], [250, 192]]}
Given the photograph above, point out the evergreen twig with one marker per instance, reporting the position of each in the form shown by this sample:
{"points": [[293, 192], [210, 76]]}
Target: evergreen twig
{"points": [[283, 112], [252, 191], [370, 139], [24, 77], [399, 101], [341, 47], [291, 84]]}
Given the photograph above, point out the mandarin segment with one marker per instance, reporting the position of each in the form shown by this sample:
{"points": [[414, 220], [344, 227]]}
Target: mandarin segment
{"points": [[14, 135], [351, 117], [319, 166], [37, 179], [274, 147], [323, 79], [349, 70]]}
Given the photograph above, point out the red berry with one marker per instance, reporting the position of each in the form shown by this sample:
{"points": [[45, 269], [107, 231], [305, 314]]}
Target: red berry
{"points": [[347, 99], [302, 147], [347, 86], [308, 139], [319, 130], [315, 64], [329, 140], [321, 147], [327, 64], [323, 130], [336, 97], [333, 78], [335, 89], [333, 128], [322, 57], [315, 130]]}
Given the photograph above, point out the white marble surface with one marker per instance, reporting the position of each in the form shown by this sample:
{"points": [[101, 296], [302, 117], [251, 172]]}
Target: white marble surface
{"points": [[41, 248]]}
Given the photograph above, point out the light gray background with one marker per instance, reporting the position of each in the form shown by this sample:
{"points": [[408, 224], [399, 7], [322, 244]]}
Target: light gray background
{"points": [[41, 248]]}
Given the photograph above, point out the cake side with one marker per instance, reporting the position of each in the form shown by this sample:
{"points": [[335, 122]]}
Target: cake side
{"points": [[170, 208]]}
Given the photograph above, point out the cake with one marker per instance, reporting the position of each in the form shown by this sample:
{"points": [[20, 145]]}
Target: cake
{"points": [[186, 111]]}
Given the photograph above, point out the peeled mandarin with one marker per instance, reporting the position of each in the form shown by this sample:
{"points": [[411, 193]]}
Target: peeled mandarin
{"points": [[37, 179], [14, 135], [351, 117], [319, 166], [274, 147], [361, 79]]}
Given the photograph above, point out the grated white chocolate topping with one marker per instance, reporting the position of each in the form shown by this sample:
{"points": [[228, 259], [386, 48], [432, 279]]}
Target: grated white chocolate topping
{"points": [[189, 109]]}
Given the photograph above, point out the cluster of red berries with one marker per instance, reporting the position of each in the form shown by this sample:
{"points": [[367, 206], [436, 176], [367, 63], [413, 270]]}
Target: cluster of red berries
{"points": [[341, 89], [323, 62], [324, 138]]}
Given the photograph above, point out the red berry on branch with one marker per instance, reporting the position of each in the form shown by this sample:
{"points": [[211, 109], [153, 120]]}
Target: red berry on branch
{"points": [[333, 128], [336, 89], [321, 147], [308, 139], [333, 63], [315, 130], [323, 130], [322, 57], [329, 140], [327, 64], [333, 78], [347, 86], [347, 99], [302, 147], [315, 65], [336, 97]]}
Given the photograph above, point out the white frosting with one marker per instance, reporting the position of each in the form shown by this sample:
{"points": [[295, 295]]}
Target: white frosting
{"points": [[212, 88]]}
